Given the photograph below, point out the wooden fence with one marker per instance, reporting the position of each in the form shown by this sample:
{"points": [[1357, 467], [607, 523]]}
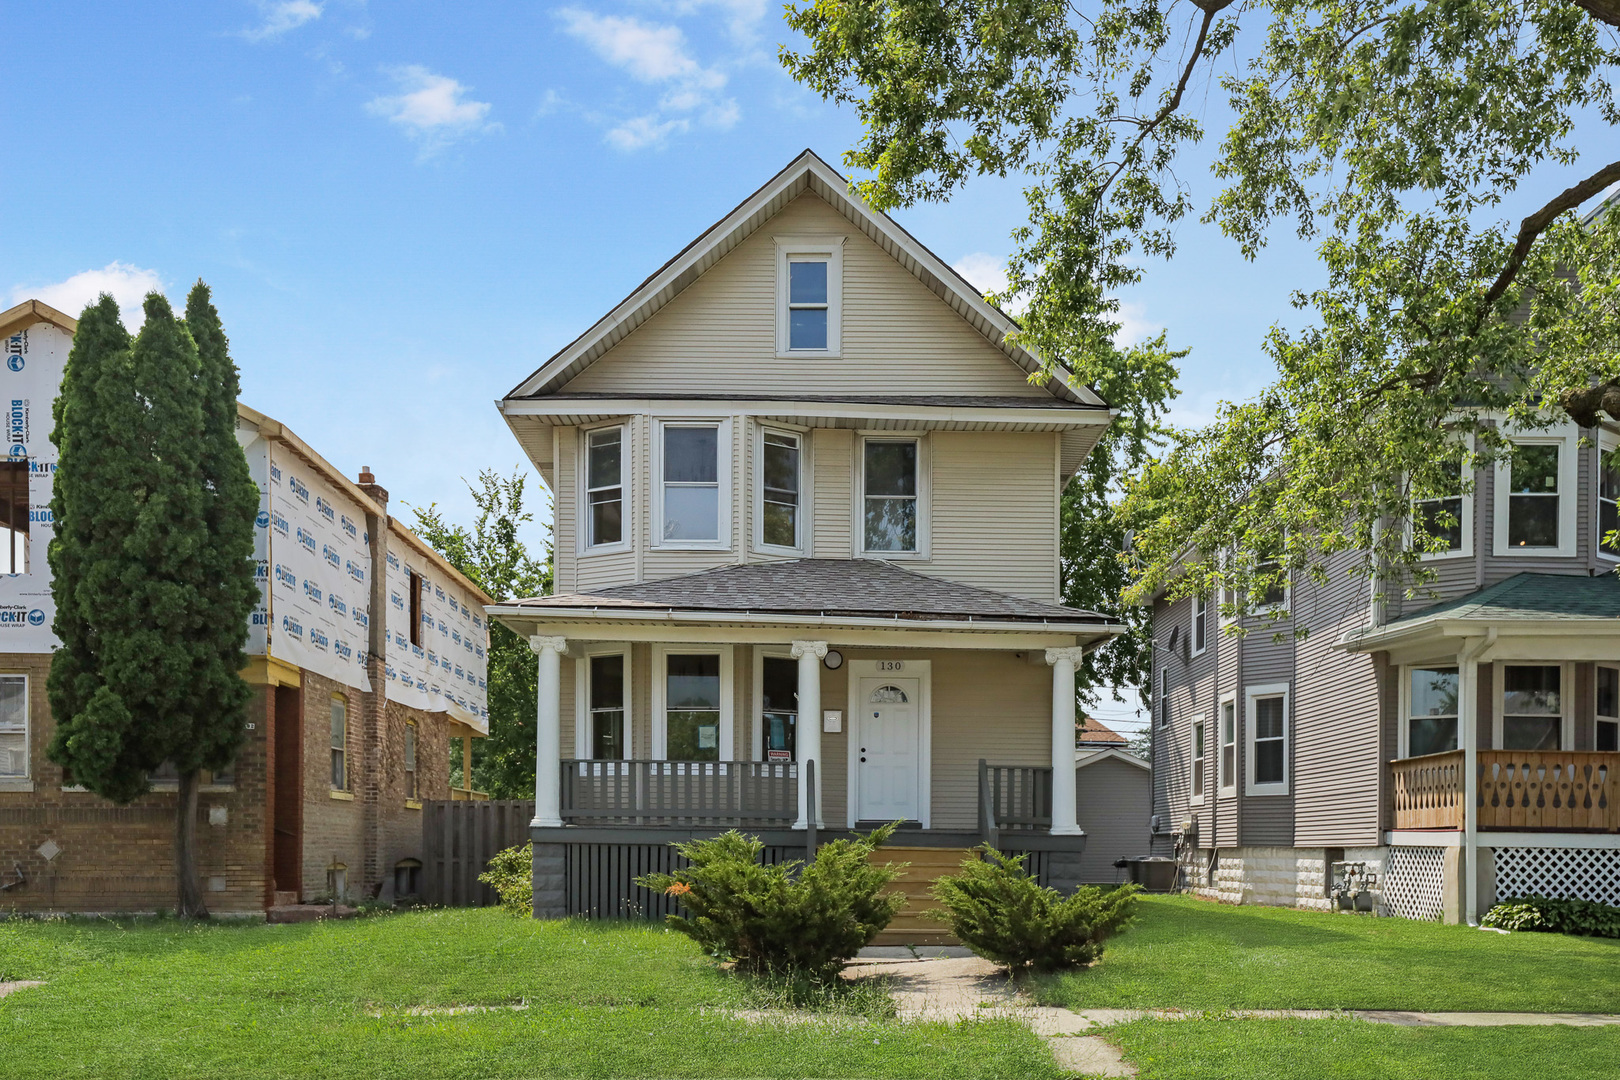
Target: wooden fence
{"points": [[458, 840]]}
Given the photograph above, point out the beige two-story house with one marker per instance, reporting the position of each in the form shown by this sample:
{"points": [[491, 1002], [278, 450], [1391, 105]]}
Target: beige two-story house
{"points": [[807, 580]]}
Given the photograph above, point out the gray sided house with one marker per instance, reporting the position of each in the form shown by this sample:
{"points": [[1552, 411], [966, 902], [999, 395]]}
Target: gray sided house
{"points": [[806, 501], [1463, 745]]}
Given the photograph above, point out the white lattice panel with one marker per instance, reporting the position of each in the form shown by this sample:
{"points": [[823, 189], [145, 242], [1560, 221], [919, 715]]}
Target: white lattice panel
{"points": [[1414, 882], [1565, 873]]}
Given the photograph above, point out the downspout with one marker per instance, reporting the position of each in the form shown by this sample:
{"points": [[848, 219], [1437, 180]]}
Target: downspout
{"points": [[1468, 678]]}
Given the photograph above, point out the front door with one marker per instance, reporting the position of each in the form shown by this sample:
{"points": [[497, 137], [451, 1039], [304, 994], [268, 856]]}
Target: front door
{"points": [[888, 749]]}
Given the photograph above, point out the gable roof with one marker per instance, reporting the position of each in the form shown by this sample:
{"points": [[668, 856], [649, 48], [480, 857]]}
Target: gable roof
{"points": [[30, 312], [807, 172], [1090, 731], [1091, 755]]}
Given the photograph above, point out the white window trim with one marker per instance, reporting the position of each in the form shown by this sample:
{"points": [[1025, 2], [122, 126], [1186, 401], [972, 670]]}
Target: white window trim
{"points": [[802, 548], [1606, 444], [1199, 606], [1286, 605], [723, 473], [1404, 727], [924, 497], [1566, 699], [1226, 784], [1566, 439], [626, 511], [25, 782], [1466, 518], [1597, 717], [660, 693], [1195, 797], [833, 248], [582, 696], [923, 671], [1251, 694], [757, 715]]}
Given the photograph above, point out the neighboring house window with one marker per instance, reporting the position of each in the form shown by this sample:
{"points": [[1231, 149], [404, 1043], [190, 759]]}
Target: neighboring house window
{"points": [[13, 727], [779, 707], [1431, 711], [407, 878], [889, 495], [410, 760], [1532, 707], [1198, 761], [809, 284], [1200, 624], [780, 483], [14, 516], [1228, 763], [225, 777], [340, 744], [690, 503], [414, 586], [1164, 695], [607, 732], [1275, 594], [692, 707], [604, 486], [1608, 499], [1268, 739], [1608, 709], [1535, 503], [1445, 515]]}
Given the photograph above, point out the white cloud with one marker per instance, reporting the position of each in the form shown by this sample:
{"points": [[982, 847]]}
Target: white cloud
{"points": [[655, 54], [988, 274], [431, 108], [128, 285], [1134, 325], [281, 16], [745, 15]]}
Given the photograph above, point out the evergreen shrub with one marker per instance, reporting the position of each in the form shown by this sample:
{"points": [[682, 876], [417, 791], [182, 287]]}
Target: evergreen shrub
{"points": [[793, 919], [998, 910], [511, 875], [1542, 913]]}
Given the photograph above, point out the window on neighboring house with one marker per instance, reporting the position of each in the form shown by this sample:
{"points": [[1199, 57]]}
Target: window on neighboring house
{"points": [[779, 707], [692, 707], [1200, 623], [691, 488], [1442, 515], [225, 777], [1268, 742], [809, 276], [13, 727], [1431, 711], [1164, 695], [407, 878], [607, 708], [604, 486], [1608, 500], [890, 495], [1532, 707], [1608, 709], [1533, 494], [1275, 593], [14, 516], [415, 585], [779, 489], [410, 760], [340, 744], [1198, 760], [808, 307], [1228, 763]]}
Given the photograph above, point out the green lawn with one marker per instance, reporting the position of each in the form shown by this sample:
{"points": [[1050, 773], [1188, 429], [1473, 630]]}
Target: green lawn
{"points": [[161, 1000], [1194, 954]]}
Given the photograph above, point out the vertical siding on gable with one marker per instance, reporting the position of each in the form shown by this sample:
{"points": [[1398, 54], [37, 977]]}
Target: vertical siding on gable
{"points": [[832, 460], [992, 493]]}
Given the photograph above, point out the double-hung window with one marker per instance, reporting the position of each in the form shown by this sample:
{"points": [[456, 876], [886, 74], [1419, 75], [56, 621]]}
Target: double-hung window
{"points": [[1268, 739], [13, 727], [1164, 695], [1227, 780], [1274, 592], [1608, 543], [1197, 789], [1608, 709], [1532, 713], [607, 727], [781, 483], [410, 761], [1431, 710], [889, 495], [809, 284], [1535, 496], [604, 486], [1200, 624], [1441, 517], [340, 744], [693, 706], [692, 485]]}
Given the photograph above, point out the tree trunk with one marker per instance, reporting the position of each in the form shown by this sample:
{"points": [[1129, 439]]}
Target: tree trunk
{"points": [[190, 894]]}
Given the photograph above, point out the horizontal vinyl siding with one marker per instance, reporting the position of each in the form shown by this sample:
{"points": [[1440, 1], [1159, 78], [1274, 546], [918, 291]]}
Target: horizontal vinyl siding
{"points": [[833, 493], [719, 335], [1228, 664], [1192, 688], [566, 513], [994, 515], [991, 705]]}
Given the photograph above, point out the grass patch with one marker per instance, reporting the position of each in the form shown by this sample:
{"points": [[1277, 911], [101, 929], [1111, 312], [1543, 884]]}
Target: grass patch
{"points": [[160, 999], [1194, 954], [1356, 1050]]}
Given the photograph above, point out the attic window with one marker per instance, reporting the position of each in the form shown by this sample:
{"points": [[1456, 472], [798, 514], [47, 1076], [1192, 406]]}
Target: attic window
{"points": [[809, 286]]}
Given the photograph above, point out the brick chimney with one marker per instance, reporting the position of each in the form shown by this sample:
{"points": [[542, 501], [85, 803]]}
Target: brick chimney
{"points": [[374, 491]]}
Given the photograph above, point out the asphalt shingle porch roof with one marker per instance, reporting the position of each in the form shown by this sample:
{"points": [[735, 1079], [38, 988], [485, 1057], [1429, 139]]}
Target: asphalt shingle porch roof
{"points": [[1529, 596], [857, 588]]}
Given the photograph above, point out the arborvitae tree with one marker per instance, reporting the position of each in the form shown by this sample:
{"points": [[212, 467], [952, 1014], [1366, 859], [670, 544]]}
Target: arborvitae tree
{"points": [[153, 584]]}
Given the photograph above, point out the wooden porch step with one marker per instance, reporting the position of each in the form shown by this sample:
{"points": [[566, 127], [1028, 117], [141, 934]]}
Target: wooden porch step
{"points": [[926, 865]]}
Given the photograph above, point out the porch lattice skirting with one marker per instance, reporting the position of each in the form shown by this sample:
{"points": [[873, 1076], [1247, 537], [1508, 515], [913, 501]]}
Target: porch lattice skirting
{"points": [[1414, 882], [1566, 873]]}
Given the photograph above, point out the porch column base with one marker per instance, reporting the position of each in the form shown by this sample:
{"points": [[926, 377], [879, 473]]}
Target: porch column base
{"points": [[550, 882]]}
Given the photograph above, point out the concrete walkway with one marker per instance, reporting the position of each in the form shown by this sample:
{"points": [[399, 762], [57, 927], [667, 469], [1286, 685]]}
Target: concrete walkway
{"points": [[20, 984]]}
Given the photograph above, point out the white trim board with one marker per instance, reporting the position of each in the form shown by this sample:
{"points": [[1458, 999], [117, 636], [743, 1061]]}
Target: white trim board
{"points": [[1450, 838]]}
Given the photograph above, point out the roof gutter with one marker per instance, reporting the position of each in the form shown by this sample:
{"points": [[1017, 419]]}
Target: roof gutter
{"points": [[778, 619]]}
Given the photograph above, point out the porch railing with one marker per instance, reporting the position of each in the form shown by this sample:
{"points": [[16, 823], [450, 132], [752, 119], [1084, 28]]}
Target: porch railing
{"points": [[1519, 791], [1014, 797], [690, 793]]}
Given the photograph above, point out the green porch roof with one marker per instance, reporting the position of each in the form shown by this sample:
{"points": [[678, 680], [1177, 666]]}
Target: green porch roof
{"points": [[1528, 597]]}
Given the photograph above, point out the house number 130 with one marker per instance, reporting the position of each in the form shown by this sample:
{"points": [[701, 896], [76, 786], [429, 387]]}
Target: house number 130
{"points": [[891, 665]]}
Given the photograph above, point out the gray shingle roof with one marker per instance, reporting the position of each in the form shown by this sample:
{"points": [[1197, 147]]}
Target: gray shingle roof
{"points": [[839, 587], [1530, 597]]}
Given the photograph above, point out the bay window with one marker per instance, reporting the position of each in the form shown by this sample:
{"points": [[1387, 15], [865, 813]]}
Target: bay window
{"points": [[1532, 707], [1444, 514], [604, 486], [780, 487], [1431, 710], [692, 485], [1608, 709], [889, 495], [1535, 496], [1608, 544]]}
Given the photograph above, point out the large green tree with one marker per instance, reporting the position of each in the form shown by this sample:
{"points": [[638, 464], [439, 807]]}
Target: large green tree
{"points": [[1428, 151], [494, 556], [151, 564]]}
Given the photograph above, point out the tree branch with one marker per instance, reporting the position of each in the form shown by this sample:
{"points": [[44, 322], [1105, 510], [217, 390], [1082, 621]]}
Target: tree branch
{"points": [[1604, 11], [1534, 225]]}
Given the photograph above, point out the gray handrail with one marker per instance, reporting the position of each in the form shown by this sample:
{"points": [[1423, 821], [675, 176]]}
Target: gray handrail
{"points": [[810, 810]]}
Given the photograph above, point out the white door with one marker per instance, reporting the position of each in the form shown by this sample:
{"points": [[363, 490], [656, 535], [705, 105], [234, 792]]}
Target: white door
{"points": [[888, 750]]}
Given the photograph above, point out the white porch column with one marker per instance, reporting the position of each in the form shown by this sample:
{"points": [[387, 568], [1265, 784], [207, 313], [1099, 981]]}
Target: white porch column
{"points": [[548, 731], [1065, 819], [1468, 739], [809, 655]]}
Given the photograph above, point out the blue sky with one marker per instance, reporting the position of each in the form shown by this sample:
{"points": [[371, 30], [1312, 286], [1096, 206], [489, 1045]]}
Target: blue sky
{"points": [[404, 208]]}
